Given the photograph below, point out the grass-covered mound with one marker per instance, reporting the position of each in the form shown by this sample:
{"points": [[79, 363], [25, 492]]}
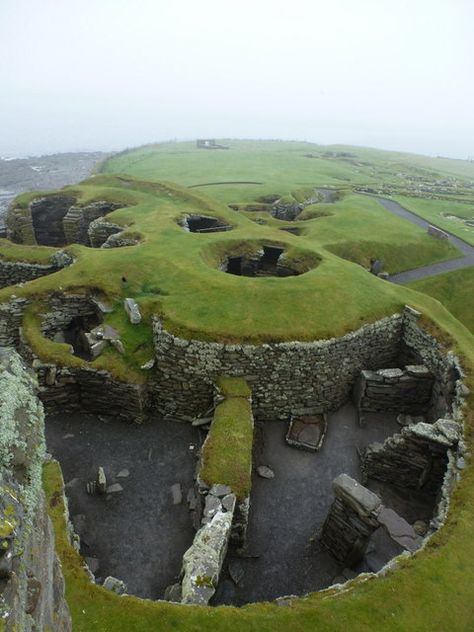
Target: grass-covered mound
{"points": [[175, 273]]}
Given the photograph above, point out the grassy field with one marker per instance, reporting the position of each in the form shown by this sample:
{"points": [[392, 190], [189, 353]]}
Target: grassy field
{"points": [[446, 214], [279, 167]]}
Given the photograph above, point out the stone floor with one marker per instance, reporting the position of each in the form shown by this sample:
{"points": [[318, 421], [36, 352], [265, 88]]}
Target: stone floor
{"points": [[287, 511], [138, 534]]}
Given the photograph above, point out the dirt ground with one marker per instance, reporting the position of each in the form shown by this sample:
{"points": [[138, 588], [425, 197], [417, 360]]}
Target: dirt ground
{"points": [[138, 534]]}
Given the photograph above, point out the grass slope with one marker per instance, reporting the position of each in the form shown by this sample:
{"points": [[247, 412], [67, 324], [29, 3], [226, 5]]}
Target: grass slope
{"points": [[455, 290]]}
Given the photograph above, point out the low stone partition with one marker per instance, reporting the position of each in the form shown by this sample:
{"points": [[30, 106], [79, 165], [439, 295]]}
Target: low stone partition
{"points": [[354, 516], [202, 562], [406, 390], [31, 581], [416, 458], [226, 455], [351, 520], [13, 272]]}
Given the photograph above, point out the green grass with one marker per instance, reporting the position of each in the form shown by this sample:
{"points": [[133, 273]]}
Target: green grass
{"points": [[170, 266], [455, 290], [436, 212], [25, 254], [226, 455], [281, 166]]}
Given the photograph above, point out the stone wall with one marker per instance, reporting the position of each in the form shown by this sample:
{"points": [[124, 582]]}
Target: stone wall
{"points": [[13, 272], [406, 390], [351, 520], [31, 582], [78, 219], [11, 316], [64, 308], [99, 231], [285, 378], [444, 365], [354, 516], [56, 220], [416, 458]]}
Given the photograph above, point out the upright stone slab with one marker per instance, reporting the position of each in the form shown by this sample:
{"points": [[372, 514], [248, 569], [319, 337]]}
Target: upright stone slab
{"points": [[132, 310], [202, 562], [351, 520]]}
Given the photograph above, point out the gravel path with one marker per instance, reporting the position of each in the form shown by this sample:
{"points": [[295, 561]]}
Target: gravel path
{"points": [[435, 268]]}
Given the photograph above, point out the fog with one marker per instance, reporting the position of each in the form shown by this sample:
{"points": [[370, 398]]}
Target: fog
{"points": [[108, 74]]}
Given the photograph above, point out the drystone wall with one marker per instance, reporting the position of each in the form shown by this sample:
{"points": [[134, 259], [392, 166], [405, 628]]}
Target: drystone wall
{"points": [[13, 272], [11, 316], [285, 378], [56, 221], [31, 581], [406, 390], [416, 458], [81, 388], [446, 399], [352, 518]]}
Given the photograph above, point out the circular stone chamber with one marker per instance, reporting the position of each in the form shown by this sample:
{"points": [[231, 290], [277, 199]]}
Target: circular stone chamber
{"points": [[266, 260]]}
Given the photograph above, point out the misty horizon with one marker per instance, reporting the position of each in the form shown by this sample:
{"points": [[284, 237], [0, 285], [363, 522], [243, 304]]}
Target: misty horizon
{"points": [[83, 76]]}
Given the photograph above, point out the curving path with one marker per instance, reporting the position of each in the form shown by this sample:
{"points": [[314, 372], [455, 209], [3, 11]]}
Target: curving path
{"points": [[435, 268]]}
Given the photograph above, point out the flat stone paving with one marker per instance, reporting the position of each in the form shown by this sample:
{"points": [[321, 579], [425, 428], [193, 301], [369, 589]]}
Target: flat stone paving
{"points": [[287, 511], [137, 534]]}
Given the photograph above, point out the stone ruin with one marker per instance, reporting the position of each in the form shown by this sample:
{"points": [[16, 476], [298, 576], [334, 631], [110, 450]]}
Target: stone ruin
{"points": [[268, 261], [203, 224], [57, 220]]}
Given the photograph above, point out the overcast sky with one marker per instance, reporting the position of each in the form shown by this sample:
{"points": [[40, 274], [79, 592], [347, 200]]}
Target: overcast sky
{"points": [[107, 74]]}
